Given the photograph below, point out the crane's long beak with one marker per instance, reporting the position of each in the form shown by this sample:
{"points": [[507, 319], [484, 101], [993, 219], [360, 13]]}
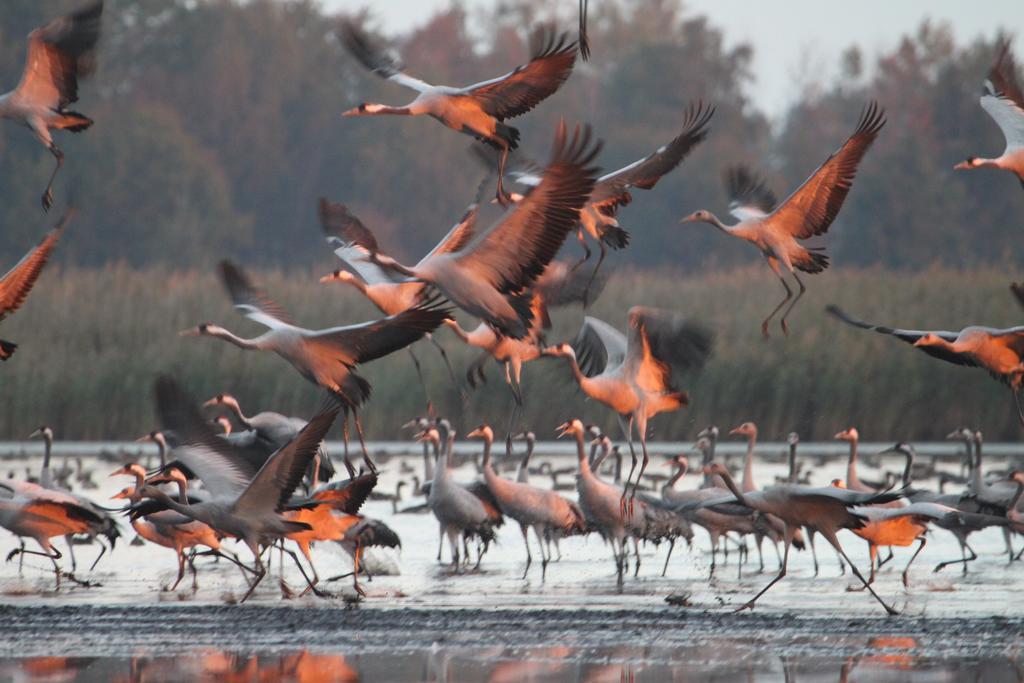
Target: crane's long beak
{"points": [[692, 218], [212, 402], [354, 111], [477, 433], [120, 495], [144, 439], [737, 430], [36, 433], [190, 332], [563, 429], [961, 165], [840, 435], [118, 472], [328, 278]]}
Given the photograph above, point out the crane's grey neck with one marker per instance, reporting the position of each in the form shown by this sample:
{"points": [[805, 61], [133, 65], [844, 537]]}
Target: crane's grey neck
{"points": [[731, 485], [851, 465], [161, 450], [45, 475], [235, 408], [254, 344], [792, 463], [581, 455], [487, 467], [676, 476], [908, 468]]}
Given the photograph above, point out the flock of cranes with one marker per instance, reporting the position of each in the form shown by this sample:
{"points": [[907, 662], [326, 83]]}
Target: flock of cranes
{"points": [[265, 483]]}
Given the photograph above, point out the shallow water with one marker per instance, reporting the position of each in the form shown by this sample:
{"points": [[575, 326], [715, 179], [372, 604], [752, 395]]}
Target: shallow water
{"points": [[582, 585]]}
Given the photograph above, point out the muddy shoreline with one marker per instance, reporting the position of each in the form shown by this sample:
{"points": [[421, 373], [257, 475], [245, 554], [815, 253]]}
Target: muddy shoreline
{"points": [[86, 630]]}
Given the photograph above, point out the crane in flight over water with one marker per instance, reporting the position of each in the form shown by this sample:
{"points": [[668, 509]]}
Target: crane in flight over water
{"points": [[19, 280], [1004, 102], [59, 53], [479, 110], [777, 231], [998, 351]]}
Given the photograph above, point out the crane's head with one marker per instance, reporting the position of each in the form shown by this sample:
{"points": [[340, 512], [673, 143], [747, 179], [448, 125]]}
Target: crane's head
{"points": [[484, 432], [792, 438], [574, 427], [962, 433], [745, 429], [132, 469], [371, 109], [205, 329], [851, 435], [701, 216], [710, 432], [838, 484], [172, 475], [339, 276], [420, 423], [969, 162], [930, 340], [147, 437], [223, 423], [124, 494], [226, 400], [43, 432], [678, 461], [1017, 476], [529, 437], [430, 435], [564, 349]]}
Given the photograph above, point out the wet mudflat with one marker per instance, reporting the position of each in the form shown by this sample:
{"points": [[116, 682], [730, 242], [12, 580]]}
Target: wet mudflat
{"points": [[423, 621]]}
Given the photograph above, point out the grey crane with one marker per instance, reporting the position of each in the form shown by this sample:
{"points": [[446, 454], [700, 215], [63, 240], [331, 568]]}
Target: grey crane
{"points": [[249, 510], [998, 351], [827, 510], [636, 377], [325, 357], [777, 230], [19, 280], [105, 525], [458, 509], [353, 243], [598, 218], [479, 110], [59, 53], [1003, 100], [599, 501], [491, 276], [531, 507], [269, 431]]}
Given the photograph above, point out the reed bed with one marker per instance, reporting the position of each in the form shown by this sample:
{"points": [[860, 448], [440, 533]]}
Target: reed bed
{"points": [[92, 341]]}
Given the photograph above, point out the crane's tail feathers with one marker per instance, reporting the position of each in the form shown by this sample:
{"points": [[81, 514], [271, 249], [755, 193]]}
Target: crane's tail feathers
{"points": [[615, 237], [296, 527], [374, 533], [74, 122], [522, 304], [7, 349], [812, 262], [509, 135]]}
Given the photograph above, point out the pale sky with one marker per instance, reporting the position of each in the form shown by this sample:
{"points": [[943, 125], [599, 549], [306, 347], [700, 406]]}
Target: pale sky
{"points": [[790, 38]]}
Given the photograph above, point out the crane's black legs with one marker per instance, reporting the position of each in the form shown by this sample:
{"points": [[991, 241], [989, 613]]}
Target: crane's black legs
{"points": [[788, 539], [965, 547], [48, 193], [581, 236], [789, 295], [526, 542], [593, 274], [785, 327], [419, 373], [906, 570], [503, 197], [1016, 399], [362, 442], [584, 39], [831, 537], [451, 373]]}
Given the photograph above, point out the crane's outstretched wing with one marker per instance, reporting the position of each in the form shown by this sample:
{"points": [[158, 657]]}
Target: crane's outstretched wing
{"points": [[749, 195], [517, 92], [362, 343], [375, 59], [19, 280], [281, 474], [674, 344], [909, 336], [60, 53], [599, 347], [1003, 99], [810, 210], [459, 236], [216, 462], [349, 495], [517, 249], [251, 301], [612, 190], [353, 243]]}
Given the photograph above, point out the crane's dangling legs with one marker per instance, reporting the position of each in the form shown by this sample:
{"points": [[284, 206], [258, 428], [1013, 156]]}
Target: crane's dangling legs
{"points": [[451, 373], [585, 40], [504, 198], [42, 133], [593, 273], [526, 541], [344, 440], [582, 237], [423, 383], [362, 442], [774, 263], [627, 430], [785, 327], [1015, 387]]}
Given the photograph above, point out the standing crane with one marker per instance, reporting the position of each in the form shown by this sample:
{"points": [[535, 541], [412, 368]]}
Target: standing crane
{"points": [[326, 357], [636, 377], [1004, 102], [59, 53], [479, 110], [998, 351], [808, 212], [531, 507], [19, 280]]}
